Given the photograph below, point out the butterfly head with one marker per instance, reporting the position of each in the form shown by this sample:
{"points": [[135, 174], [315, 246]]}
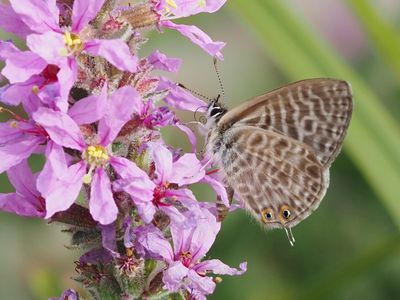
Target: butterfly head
{"points": [[215, 109]]}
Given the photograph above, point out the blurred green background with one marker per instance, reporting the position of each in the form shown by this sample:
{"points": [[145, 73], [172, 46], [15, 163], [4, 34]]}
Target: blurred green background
{"points": [[350, 247]]}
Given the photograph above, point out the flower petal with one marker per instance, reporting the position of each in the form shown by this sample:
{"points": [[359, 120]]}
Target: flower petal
{"points": [[13, 94], [66, 78], [198, 37], [186, 170], [174, 275], [26, 200], [162, 158], [200, 285], [129, 171], [54, 169], [108, 237], [89, 109], [121, 105], [174, 214], [146, 210], [185, 8], [22, 179], [65, 190], [196, 239], [153, 240], [38, 15], [60, 127], [102, 205], [84, 11], [186, 197], [216, 266], [162, 62], [13, 153], [179, 97], [95, 256], [136, 183], [190, 134], [7, 49], [69, 294], [219, 188], [20, 205], [48, 46], [115, 51], [20, 66], [11, 22], [9, 132]]}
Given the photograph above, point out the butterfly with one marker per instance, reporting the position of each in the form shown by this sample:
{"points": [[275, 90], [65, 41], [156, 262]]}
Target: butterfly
{"points": [[275, 150]]}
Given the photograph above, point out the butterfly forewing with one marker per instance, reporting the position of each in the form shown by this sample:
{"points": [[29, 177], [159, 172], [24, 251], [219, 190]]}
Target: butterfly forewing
{"points": [[316, 112], [272, 173]]}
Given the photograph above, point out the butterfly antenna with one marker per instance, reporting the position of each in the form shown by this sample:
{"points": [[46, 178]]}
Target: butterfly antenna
{"points": [[194, 92], [219, 76], [289, 235]]}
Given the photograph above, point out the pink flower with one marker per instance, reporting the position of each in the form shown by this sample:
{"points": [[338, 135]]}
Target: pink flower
{"points": [[59, 182], [186, 270], [186, 8], [26, 201], [19, 139], [152, 117], [57, 46], [161, 62], [178, 97], [172, 9], [69, 294], [169, 179]]}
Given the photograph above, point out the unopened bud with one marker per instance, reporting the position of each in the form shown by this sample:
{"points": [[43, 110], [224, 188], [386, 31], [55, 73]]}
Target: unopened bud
{"points": [[141, 15]]}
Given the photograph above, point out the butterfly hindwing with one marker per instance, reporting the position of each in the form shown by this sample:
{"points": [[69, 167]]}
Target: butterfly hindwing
{"points": [[271, 172]]}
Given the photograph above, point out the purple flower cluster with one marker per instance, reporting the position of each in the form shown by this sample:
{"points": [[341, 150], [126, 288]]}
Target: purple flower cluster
{"points": [[93, 108]]}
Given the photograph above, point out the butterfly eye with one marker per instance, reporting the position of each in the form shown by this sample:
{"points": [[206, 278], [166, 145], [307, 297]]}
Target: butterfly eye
{"points": [[215, 111], [267, 215]]}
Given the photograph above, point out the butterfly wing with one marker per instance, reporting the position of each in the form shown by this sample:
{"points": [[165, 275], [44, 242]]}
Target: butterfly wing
{"points": [[315, 112], [272, 173]]}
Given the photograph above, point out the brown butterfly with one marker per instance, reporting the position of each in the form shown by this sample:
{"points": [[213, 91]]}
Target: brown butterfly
{"points": [[275, 150]]}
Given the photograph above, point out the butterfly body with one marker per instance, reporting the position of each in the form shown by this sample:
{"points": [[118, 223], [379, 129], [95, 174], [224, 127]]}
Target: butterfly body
{"points": [[275, 150]]}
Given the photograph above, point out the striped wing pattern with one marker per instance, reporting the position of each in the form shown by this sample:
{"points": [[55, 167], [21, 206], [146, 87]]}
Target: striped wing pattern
{"points": [[276, 149]]}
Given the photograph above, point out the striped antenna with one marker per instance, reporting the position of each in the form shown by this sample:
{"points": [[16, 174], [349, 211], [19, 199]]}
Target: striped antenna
{"points": [[219, 76], [194, 92]]}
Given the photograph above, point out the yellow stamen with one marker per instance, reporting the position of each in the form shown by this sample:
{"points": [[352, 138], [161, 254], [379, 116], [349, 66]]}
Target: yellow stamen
{"points": [[202, 3], [13, 124], [172, 3], [72, 42], [95, 155], [67, 38], [217, 279], [87, 178], [35, 89]]}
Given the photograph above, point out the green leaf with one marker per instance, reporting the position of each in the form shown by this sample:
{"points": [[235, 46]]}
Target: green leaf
{"points": [[382, 34]]}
